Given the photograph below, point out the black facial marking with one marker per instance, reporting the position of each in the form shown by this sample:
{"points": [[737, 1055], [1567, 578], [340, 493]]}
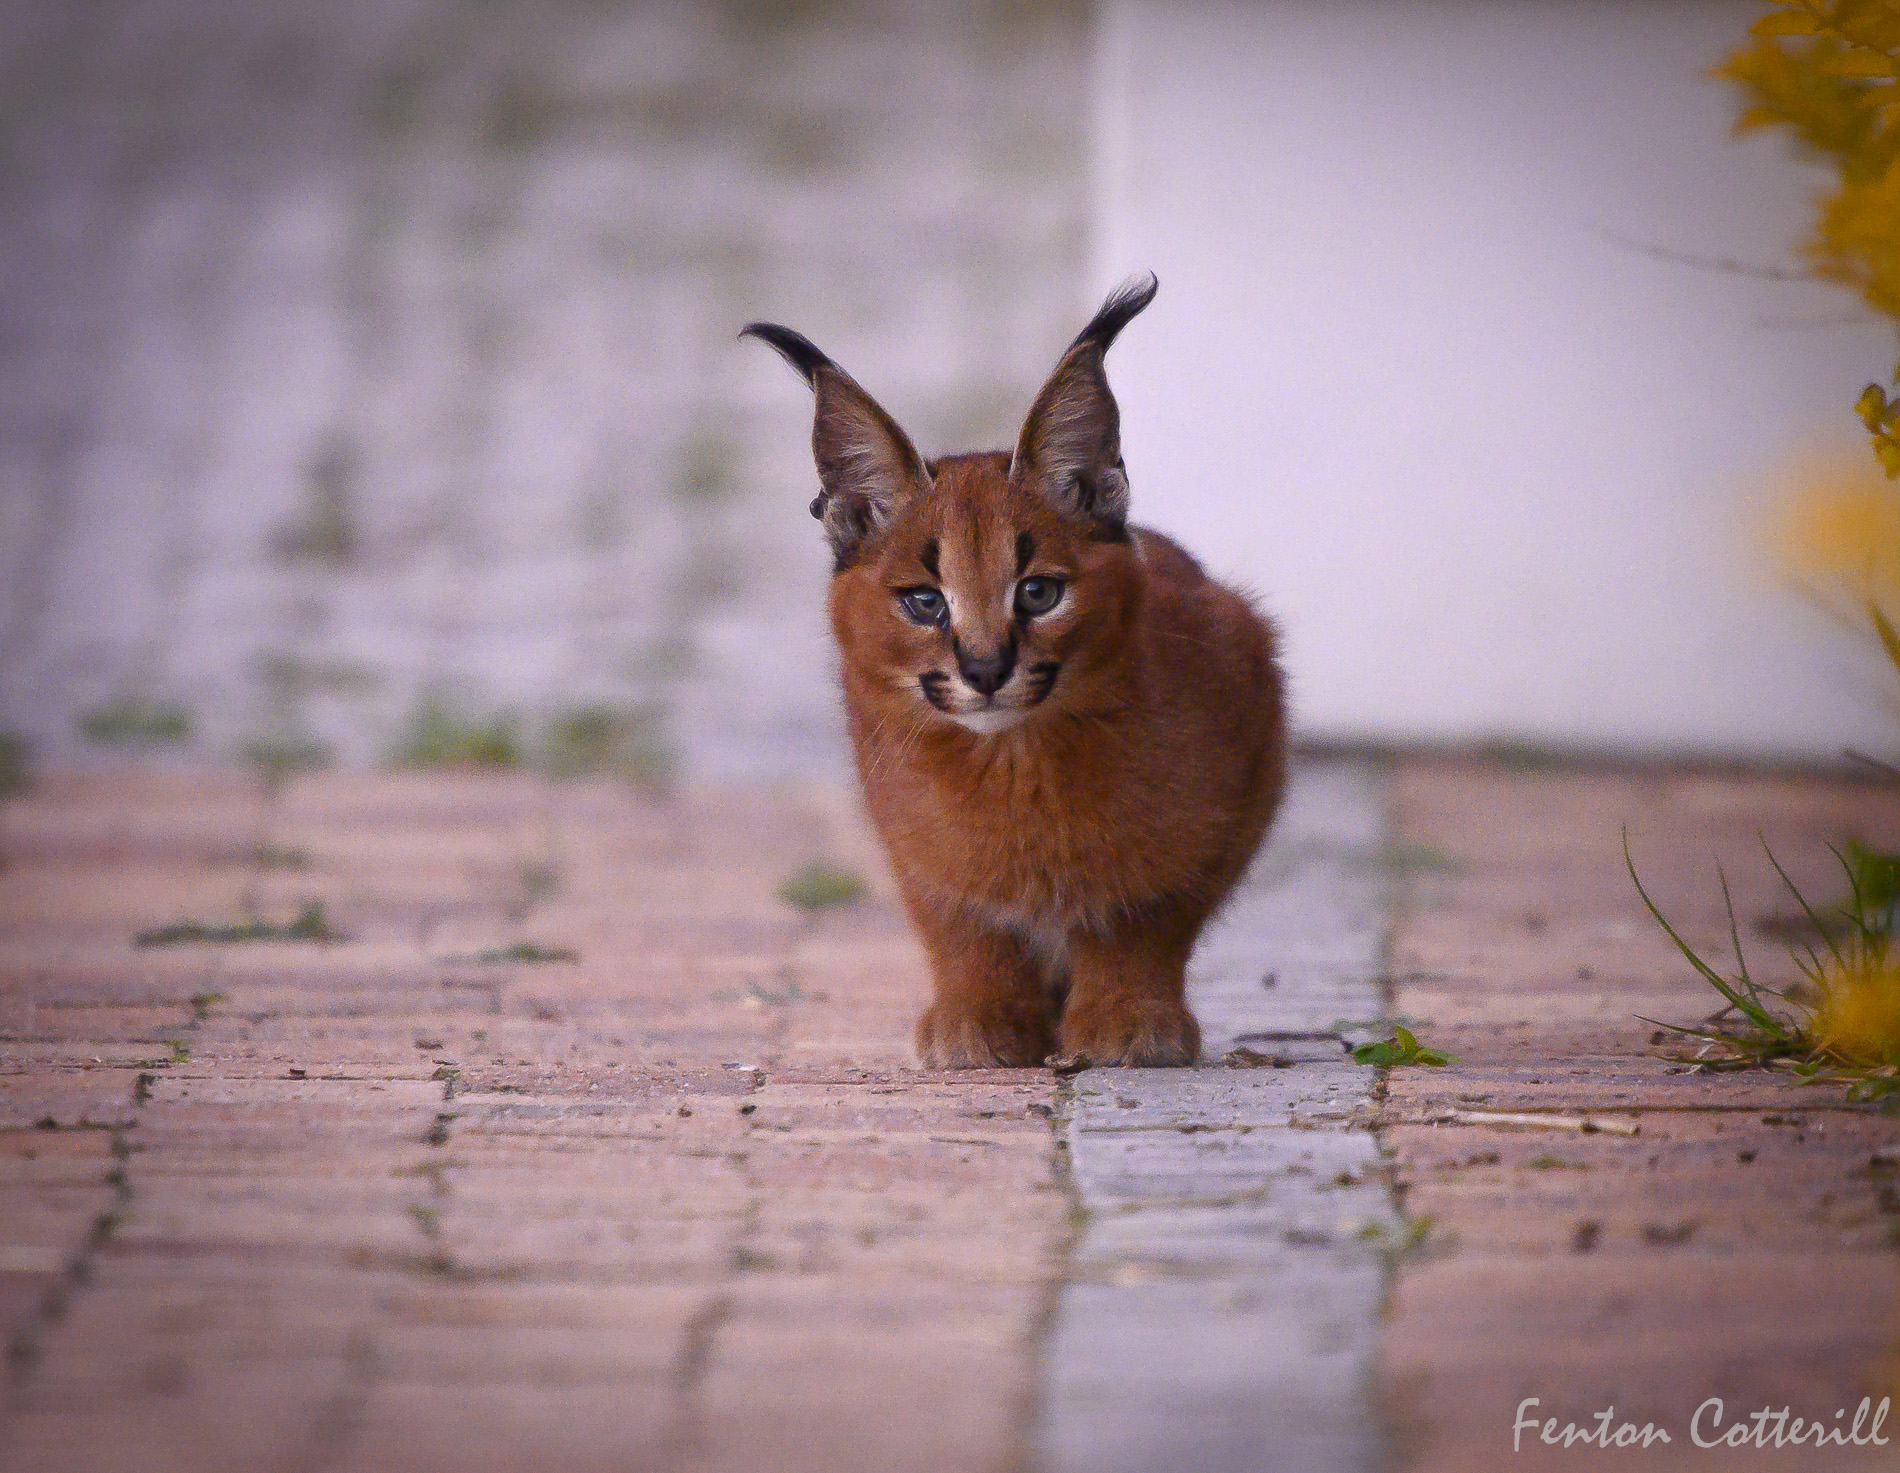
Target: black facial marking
{"points": [[987, 674], [1025, 550], [932, 682], [927, 555]]}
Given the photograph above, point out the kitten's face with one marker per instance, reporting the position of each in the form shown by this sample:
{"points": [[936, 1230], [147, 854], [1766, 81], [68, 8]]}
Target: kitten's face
{"points": [[980, 590], [980, 605]]}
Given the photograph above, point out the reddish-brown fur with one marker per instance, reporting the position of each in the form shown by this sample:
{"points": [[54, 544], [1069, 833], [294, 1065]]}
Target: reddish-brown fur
{"points": [[1058, 870]]}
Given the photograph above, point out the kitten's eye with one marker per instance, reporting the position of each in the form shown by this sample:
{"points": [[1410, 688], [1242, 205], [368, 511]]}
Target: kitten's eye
{"points": [[1038, 595], [923, 605]]}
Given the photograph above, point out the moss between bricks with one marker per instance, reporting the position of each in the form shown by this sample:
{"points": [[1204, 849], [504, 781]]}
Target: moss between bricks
{"points": [[521, 951], [129, 721], [16, 764], [310, 925], [440, 735]]}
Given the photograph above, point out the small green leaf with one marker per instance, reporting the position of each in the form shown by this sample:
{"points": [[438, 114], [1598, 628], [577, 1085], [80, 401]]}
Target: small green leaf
{"points": [[1402, 1048]]}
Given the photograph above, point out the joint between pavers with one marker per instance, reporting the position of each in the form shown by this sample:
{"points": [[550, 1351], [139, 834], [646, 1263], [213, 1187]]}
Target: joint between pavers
{"points": [[335, 1425], [1031, 1406], [1196, 1329], [26, 1348], [698, 1339]]}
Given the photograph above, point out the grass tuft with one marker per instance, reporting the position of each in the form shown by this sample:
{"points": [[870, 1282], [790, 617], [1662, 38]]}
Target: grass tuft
{"points": [[626, 742], [277, 759], [820, 886], [131, 722], [1413, 856], [439, 735], [1841, 1023]]}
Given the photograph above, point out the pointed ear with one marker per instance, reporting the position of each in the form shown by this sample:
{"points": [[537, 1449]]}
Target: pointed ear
{"points": [[867, 466], [1070, 449]]}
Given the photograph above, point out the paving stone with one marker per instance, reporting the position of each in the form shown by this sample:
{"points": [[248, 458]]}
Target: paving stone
{"points": [[504, 1427], [681, 1203], [941, 1364], [1738, 1246], [684, 1203], [1221, 1309], [158, 1415]]}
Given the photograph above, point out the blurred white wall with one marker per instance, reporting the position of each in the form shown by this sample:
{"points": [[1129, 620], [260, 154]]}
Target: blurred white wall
{"points": [[354, 352], [1501, 471], [359, 351]]}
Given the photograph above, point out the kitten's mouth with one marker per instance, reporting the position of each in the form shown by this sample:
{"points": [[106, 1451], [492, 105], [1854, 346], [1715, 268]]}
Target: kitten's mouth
{"points": [[991, 713]]}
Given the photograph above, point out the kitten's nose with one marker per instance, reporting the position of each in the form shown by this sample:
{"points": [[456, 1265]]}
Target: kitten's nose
{"points": [[987, 674]]}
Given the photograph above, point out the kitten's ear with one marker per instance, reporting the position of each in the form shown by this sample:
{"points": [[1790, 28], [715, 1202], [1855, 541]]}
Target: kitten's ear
{"points": [[867, 465], [1070, 448]]}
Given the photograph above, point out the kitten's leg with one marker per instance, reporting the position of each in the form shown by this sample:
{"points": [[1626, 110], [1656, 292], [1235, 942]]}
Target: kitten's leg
{"points": [[1127, 994], [992, 1006]]}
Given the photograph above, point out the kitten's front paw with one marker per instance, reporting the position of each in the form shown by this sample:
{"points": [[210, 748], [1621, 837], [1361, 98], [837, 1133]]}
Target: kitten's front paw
{"points": [[1135, 1035], [994, 1034]]}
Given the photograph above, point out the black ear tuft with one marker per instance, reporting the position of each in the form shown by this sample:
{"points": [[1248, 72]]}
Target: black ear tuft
{"points": [[1121, 308], [1070, 446], [867, 466], [794, 347]]}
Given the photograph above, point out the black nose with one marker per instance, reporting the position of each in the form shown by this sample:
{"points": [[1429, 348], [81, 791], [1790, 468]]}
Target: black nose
{"points": [[987, 674]]}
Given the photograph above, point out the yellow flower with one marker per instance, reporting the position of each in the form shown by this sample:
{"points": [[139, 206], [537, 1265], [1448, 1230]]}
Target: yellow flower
{"points": [[1857, 1020], [1840, 535]]}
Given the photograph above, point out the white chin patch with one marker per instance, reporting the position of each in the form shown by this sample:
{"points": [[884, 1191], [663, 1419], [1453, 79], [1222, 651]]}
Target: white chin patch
{"points": [[988, 723]]}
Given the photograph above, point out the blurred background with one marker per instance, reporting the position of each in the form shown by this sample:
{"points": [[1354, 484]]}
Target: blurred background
{"points": [[369, 387]]}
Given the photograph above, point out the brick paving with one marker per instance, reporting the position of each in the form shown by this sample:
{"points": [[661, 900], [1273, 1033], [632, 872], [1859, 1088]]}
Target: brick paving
{"points": [[380, 1205], [683, 1203], [1741, 1245], [1220, 1306]]}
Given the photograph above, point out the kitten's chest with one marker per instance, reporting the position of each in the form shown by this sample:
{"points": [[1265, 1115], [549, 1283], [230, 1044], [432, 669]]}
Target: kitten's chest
{"points": [[1044, 837]]}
